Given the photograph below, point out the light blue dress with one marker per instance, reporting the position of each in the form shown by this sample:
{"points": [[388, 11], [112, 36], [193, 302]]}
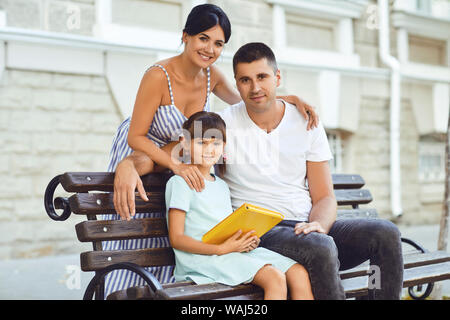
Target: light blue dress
{"points": [[203, 211]]}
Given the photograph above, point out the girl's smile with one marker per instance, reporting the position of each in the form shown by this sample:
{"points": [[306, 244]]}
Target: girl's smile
{"points": [[206, 151]]}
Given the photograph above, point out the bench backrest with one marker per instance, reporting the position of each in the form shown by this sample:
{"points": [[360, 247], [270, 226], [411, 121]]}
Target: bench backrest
{"points": [[94, 196]]}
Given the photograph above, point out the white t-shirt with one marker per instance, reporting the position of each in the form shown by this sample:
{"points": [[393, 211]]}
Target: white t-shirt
{"points": [[269, 169]]}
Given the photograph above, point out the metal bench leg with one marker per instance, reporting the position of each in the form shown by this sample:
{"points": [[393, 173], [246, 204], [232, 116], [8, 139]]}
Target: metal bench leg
{"points": [[100, 288], [149, 278], [430, 286]]}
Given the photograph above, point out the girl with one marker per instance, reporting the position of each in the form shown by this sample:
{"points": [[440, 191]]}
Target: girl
{"points": [[190, 214], [162, 104]]}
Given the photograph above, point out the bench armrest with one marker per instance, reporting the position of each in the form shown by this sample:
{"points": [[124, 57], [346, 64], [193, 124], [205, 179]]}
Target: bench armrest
{"points": [[60, 202], [414, 244], [153, 284]]}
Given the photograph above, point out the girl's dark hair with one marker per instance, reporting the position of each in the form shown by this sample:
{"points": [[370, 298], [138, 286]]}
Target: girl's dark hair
{"points": [[206, 16], [209, 123]]}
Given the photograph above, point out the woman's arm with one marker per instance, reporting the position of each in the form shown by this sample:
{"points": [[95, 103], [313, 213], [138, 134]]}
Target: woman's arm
{"points": [[148, 100], [324, 205], [180, 241], [305, 109]]}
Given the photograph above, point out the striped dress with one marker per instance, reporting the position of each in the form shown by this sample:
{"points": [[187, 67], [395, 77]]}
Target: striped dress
{"points": [[166, 127]]}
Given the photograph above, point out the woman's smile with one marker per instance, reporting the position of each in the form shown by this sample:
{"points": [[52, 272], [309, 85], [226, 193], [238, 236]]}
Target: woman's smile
{"points": [[204, 57]]}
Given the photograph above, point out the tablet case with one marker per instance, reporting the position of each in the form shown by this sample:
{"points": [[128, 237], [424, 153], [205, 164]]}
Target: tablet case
{"points": [[246, 218]]}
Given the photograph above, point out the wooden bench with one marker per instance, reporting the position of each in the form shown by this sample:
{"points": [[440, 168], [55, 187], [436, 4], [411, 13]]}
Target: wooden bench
{"points": [[94, 196]]}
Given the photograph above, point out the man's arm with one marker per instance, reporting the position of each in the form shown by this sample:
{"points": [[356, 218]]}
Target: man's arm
{"points": [[324, 205]]}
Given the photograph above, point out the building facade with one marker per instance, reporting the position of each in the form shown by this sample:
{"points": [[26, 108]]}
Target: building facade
{"points": [[69, 73]]}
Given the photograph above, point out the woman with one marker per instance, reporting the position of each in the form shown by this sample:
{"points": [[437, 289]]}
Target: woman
{"points": [[170, 92]]}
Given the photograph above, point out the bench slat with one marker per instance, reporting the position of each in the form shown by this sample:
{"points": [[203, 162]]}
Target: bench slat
{"points": [[411, 277], [357, 213], [101, 230], [104, 181], [347, 181], [425, 267], [206, 291], [352, 197], [353, 287], [426, 274], [102, 203], [409, 261], [150, 257], [104, 230]]}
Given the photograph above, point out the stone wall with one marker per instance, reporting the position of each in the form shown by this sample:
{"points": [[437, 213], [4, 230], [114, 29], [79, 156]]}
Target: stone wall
{"points": [[50, 123]]}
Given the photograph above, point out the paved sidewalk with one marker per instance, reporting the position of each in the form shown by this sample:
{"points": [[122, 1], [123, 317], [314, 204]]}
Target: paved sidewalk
{"points": [[59, 278]]}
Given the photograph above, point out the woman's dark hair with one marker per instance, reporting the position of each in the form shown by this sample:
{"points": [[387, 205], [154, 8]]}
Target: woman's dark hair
{"points": [[206, 16], [212, 126], [254, 51]]}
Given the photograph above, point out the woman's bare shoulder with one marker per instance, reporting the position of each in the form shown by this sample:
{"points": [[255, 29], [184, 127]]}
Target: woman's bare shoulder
{"points": [[154, 77]]}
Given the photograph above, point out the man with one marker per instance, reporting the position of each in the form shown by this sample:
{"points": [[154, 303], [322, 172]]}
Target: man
{"points": [[310, 234], [274, 162]]}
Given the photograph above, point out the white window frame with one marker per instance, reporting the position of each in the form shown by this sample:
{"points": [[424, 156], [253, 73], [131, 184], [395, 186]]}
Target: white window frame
{"points": [[427, 148], [344, 57], [336, 146], [430, 8], [408, 20], [165, 41]]}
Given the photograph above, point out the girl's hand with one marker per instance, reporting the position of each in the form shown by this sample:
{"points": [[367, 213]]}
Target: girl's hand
{"points": [[305, 109], [236, 243], [191, 175]]}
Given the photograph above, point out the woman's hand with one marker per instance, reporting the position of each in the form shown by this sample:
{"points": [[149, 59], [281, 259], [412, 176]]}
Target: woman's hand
{"points": [[191, 175], [236, 243], [305, 109], [126, 180]]}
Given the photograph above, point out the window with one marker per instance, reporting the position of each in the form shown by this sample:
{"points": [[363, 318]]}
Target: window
{"points": [[158, 15], [335, 142], [310, 33], [431, 161], [427, 50], [152, 23], [423, 33], [435, 8], [316, 32]]}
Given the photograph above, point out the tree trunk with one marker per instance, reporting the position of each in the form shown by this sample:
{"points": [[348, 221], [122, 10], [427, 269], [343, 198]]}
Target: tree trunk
{"points": [[443, 231]]}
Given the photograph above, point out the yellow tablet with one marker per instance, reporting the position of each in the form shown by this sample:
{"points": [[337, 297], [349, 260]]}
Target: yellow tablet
{"points": [[246, 218]]}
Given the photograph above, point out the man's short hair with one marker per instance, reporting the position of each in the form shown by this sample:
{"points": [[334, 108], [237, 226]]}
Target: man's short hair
{"points": [[254, 51]]}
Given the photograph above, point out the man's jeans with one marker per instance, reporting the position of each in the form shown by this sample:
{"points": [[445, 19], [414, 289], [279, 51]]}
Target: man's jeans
{"points": [[349, 243]]}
